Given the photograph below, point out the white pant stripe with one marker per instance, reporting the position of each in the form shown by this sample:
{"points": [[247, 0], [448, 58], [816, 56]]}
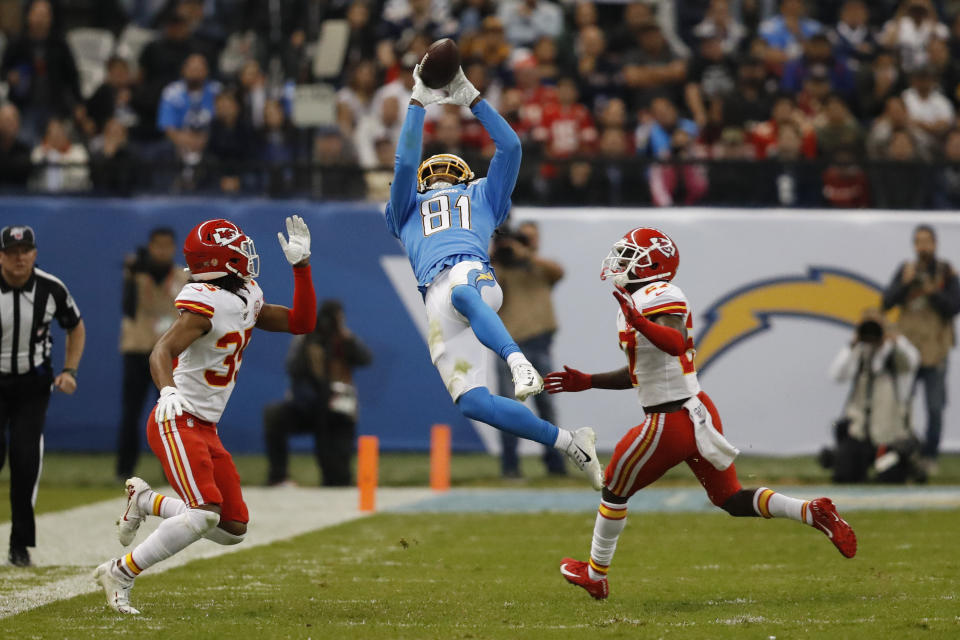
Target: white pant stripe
{"points": [[186, 465], [626, 454], [646, 456], [36, 483], [173, 467]]}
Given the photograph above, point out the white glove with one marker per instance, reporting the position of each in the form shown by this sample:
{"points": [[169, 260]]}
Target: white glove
{"points": [[461, 90], [297, 249], [170, 405], [421, 92]]}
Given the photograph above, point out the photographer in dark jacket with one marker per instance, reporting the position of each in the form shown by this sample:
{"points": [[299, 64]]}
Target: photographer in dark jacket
{"points": [[928, 294], [527, 280], [874, 431], [321, 400], [151, 282]]}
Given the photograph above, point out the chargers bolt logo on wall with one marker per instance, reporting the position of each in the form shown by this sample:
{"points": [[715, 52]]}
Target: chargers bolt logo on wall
{"points": [[824, 294]]}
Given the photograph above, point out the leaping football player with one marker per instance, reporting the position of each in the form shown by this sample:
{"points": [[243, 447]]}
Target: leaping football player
{"points": [[445, 217], [681, 424], [195, 366]]}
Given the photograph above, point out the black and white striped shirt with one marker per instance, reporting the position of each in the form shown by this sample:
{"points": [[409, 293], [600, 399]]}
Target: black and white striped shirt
{"points": [[25, 316]]}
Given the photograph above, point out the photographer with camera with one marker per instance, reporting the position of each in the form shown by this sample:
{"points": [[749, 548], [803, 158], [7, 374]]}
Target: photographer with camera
{"points": [[151, 282], [874, 431], [322, 399], [928, 294], [527, 280]]}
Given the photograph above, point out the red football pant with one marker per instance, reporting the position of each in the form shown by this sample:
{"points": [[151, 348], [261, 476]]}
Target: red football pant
{"points": [[197, 466], [663, 441]]}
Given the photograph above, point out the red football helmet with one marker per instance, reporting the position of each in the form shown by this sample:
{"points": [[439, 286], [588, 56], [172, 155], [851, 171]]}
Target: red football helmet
{"points": [[642, 255], [217, 248]]}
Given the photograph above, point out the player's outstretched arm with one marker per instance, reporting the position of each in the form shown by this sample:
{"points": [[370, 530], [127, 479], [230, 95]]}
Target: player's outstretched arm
{"points": [[302, 318], [571, 380], [505, 164], [667, 332]]}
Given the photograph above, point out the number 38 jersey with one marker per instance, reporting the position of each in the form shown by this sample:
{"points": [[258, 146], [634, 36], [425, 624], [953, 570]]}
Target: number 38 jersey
{"points": [[658, 376], [206, 371]]}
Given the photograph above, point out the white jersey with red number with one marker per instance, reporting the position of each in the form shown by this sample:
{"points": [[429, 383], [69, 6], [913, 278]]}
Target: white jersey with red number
{"points": [[658, 376], [207, 370]]}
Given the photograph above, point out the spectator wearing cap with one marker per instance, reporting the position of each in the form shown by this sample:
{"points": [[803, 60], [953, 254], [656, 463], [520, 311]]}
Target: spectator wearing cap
{"points": [[40, 71], [187, 109], [528, 20], [785, 33], [30, 299], [910, 31], [15, 165], [929, 110], [720, 23]]}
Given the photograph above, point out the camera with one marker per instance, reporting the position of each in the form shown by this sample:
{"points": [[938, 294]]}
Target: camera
{"points": [[870, 332], [504, 250]]}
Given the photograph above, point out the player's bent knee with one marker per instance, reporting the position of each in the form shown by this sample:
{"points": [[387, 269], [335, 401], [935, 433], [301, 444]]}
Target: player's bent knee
{"points": [[227, 533], [200, 521], [476, 404], [739, 505]]}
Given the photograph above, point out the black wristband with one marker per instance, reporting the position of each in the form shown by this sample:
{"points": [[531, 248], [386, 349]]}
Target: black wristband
{"points": [[71, 371]]}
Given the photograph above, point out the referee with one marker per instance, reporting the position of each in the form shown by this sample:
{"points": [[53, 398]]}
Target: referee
{"points": [[29, 300]]}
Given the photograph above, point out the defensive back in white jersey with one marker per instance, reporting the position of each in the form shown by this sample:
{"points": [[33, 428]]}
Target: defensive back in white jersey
{"points": [[658, 376], [206, 371]]}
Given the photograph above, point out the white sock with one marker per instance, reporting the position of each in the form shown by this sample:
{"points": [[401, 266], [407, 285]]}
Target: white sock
{"points": [[611, 519], [770, 504], [564, 439], [516, 358], [173, 535], [160, 505]]}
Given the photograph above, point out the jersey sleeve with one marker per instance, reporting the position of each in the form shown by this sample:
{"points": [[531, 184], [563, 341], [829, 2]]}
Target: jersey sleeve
{"points": [[505, 164], [66, 313], [195, 298], [664, 298], [403, 189]]}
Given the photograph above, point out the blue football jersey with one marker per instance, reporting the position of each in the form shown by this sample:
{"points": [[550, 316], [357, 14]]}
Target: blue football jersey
{"points": [[442, 227]]}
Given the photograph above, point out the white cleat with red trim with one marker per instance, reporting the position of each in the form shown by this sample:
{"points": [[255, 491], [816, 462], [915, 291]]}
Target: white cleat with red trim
{"points": [[115, 588], [132, 516]]}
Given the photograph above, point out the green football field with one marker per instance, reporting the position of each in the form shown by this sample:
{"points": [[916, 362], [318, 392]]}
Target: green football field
{"points": [[419, 573]]}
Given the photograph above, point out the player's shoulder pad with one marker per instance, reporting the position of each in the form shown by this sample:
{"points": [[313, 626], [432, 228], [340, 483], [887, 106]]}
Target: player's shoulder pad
{"points": [[197, 297], [662, 298]]}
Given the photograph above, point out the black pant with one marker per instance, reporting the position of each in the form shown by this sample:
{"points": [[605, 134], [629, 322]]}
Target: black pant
{"points": [[23, 409], [333, 447], [137, 385]]}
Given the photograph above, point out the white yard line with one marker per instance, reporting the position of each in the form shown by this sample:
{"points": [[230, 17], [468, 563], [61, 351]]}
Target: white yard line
{"points": [[86, 536]]}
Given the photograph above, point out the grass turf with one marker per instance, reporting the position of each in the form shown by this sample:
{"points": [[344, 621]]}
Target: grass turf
{"points": [[73, 479], [495, 576]]}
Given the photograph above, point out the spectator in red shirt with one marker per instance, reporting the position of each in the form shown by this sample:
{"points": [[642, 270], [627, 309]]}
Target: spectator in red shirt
{"points": [[845, 185], [567, 127], [764, 135]]}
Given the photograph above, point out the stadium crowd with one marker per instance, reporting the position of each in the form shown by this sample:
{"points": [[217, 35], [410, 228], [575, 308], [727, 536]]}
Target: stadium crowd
{"points": [[730, 102]]}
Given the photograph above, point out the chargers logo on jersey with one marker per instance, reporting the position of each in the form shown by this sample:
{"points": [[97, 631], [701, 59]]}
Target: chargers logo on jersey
{"points": [[824, 293]]}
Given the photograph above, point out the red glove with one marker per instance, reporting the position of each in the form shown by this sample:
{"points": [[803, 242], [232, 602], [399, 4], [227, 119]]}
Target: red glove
{"points": [[303, 316], [567, 380], [667, 339]]}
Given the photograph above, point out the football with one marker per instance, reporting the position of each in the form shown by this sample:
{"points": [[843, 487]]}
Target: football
{"points": [[440, 63]]}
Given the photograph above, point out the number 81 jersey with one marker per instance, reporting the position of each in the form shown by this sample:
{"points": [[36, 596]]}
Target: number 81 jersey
{"points": [[658, 376], [206, 371]]}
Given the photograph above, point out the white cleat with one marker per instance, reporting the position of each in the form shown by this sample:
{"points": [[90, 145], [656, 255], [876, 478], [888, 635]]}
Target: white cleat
{"points": [[131, 518], [116, 589], [583, 452], [526, 381]]}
